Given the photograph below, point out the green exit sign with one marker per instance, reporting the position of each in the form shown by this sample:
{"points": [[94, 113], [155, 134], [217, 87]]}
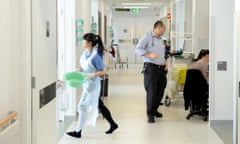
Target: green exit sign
{"points": [[135, 10]]}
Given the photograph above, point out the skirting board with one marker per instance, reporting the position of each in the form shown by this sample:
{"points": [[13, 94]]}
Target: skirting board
{"points": [[224, 129]]}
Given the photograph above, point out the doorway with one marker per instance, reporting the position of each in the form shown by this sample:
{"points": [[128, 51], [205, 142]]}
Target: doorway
{"points": [[128, 28], [66, 96], [52, 55]]}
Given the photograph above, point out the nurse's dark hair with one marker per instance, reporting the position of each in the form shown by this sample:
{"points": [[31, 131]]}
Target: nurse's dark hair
{"points": [[96, 40], [158, 23]]}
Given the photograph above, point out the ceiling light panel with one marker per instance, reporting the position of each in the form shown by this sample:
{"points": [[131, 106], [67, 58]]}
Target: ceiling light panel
{"points": [[140, 7], [136, 4]]}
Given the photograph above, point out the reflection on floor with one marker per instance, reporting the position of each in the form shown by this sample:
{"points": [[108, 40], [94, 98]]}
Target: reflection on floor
{"points": [[63, 126], [126, 101]]}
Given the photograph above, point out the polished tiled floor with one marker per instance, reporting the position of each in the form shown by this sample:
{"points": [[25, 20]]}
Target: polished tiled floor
{"points": [[127, 103]]}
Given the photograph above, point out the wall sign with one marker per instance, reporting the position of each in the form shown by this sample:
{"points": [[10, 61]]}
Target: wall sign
{"points": [[79, 30], [221, 65]]}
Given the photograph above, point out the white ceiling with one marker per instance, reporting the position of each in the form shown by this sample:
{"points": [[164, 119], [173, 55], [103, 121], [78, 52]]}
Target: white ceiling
{"points": [[155, 4], [119, 1]]}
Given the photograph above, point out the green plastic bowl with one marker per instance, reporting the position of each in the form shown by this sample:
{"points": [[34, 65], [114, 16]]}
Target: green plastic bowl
{"points": [[75, 79]]}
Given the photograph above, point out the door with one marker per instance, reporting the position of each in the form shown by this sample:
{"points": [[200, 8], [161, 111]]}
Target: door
{"points": [[128, 28], [237, 47], [44, 71]]}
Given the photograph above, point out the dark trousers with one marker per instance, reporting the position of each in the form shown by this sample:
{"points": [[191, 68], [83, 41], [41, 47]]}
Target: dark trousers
{"points": [[154, 82], [105, 112]]}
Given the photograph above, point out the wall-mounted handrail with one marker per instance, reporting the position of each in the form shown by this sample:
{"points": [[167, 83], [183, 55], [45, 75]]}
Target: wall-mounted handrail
{"points": [[9, 117]]}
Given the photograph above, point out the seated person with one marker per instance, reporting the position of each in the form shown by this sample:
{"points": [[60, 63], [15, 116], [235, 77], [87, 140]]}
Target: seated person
{"points": [[201, 63], [196, 84]]}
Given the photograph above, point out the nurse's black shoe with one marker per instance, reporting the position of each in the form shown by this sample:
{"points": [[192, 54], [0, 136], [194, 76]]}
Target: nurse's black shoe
{"points": [[74, 134], [112, 128]]}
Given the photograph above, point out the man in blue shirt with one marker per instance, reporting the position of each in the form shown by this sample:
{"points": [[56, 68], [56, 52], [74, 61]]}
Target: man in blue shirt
{"points": [[152, 49]]}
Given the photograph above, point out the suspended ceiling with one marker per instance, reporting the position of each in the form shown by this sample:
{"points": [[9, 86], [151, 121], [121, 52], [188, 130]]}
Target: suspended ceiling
{"points": [[155, 4]]}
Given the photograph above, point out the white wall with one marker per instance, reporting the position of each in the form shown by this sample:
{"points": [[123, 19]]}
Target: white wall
{"points": [[236, 112], [101, 9], [200, 25], [108, 14], [83, 11], [188, 24], [69, 49], [11, 60], [26, 71], [163, 11], [221, 49]]}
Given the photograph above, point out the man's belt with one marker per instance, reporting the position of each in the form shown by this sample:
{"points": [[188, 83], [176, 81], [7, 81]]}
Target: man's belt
{"points": [[154, 65]]}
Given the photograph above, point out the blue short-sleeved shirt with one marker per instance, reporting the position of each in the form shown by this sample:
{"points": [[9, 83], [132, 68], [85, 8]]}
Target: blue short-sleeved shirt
{"points": [[151, 43], [97, 61]]}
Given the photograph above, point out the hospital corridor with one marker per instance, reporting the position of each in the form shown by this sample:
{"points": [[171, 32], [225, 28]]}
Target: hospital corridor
{"points": [[126, 101], [119, 71]]}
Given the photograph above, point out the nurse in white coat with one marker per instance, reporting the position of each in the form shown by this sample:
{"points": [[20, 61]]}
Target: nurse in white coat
{"points": [[91, 63]]}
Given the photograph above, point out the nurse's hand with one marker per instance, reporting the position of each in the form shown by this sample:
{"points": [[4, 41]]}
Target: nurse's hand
{"points": [[89, 75], [151, 55]]}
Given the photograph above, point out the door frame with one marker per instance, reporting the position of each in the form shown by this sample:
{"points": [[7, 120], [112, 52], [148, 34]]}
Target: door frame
{"points": [[236, 111], [27, 78], [27, 114]]}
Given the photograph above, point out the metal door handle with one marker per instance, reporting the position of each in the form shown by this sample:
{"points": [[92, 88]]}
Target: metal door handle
{"points": [[135, 41]]}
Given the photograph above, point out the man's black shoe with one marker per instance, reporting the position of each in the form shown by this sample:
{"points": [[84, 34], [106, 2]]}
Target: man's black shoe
{"points": [[158, 114], [151, 119]]}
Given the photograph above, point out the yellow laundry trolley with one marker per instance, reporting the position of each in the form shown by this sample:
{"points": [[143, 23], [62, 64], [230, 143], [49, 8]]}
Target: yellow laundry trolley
{"points": [[175, 81], [179, 73]]}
